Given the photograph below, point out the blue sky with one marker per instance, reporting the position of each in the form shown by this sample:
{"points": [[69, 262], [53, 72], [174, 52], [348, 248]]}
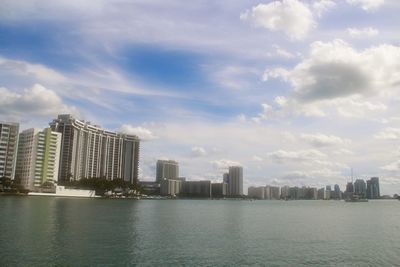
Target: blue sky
{"points": [[297, 92]]}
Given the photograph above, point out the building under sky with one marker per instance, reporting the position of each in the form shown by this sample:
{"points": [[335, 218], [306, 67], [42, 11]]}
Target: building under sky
{"points": [[296, 91], [38, 157]]}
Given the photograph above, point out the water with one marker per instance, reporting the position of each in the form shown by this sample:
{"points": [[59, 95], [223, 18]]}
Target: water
{"points": [[45, 231]]}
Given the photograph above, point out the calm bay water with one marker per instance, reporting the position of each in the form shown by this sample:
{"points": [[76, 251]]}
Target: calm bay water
{"points": [[42, 231]]}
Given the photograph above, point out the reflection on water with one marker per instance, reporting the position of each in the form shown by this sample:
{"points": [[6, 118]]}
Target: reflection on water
{"points": [[75, 232]]}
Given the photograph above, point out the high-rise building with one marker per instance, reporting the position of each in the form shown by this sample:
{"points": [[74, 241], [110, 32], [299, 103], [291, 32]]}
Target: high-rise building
{"points": [[321, 193], [219, 190], [38, 157], [274, 192], [349, 187], [235, 184], [8, 149], [285, 192], [167, 169], [89, 151], [196, 189], [373, 191], [360, 188], [256, 192], [337, 194]]}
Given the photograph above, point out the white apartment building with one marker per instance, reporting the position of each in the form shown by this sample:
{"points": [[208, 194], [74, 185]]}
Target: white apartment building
{"points": [[38, 157], [8, 148]]}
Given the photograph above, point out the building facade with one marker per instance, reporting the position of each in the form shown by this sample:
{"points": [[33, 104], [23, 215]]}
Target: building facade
{"points": [[235, 183], [256, 192], [373, 191], [360, 188], [8, 149], [38, 157], [167, 169], [201, 189], [89, 151]]}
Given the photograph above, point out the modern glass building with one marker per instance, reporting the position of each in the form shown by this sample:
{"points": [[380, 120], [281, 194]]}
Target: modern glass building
{"points": [[373, 191]]}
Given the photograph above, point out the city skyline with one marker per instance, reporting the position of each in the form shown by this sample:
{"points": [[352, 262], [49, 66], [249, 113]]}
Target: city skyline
{"points": [[212, 85]]}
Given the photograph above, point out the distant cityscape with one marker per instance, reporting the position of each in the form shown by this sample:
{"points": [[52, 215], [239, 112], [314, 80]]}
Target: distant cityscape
{"points": [[72, 150]]}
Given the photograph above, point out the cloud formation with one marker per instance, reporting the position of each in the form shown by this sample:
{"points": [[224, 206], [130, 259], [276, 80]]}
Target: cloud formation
{"points": [[34, 101], [292, 17], [143, 133], [362, 32], [336, 70], [367, 5]]}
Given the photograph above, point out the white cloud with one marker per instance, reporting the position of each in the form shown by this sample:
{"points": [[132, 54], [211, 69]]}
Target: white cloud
{"points": [[321, 140], [292, 17], [224, 164], [389, 134], [257, 158], [322, 6], [282, 156], [280, 52], [35, 101], [394, 166], [364, 32], [22, 71], [198, 152], [143, 133], [336, 70], [367, 5]]}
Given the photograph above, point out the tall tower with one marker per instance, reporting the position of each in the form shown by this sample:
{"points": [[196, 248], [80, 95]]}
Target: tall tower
{"points": [[373, 191], [167, 169], [8, 149], [88, 151], [38, 157], [235, 184]]}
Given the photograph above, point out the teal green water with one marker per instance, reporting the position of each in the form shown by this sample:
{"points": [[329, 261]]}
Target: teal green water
{"points": [[45, 231]]}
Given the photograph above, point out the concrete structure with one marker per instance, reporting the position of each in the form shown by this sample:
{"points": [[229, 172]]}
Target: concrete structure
{"points": [[61, 191], [200, 189], [349, 187], [219, 190], [167, 169], [8, 149], [256, 192], [89, 151], [169, 187], [360, 188], [38, 157], [274, 192], [321, 193], [337, 194], [285, 192], [328, 192], [235, 183], [373, 191]]}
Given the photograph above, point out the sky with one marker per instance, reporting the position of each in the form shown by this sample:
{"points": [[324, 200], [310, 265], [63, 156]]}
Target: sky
{"points": [[296, 92]]}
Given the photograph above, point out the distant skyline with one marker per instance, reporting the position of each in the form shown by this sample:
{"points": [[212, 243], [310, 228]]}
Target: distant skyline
{"points": [[296, 92]]}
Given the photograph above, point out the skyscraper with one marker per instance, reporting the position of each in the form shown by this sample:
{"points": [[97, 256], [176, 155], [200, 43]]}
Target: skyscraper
{"points": [[349, 187], [89, 151], [360, 188], [235, 184], [38, 157], [373, 191], [167, 169], [337, 192], [8, 149]]}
